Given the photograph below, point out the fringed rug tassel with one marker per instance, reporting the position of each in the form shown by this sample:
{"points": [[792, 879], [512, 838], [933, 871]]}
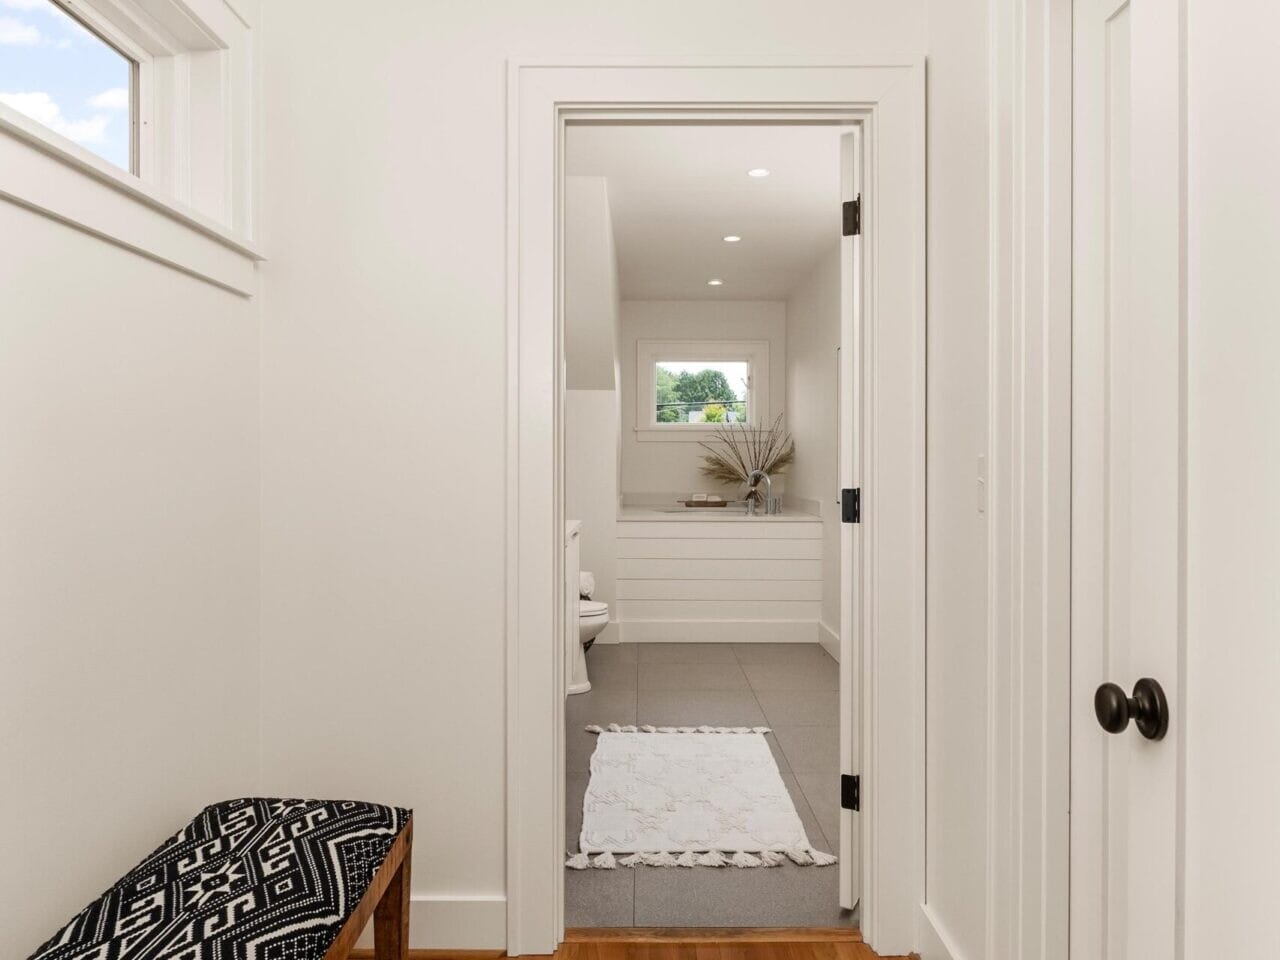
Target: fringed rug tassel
{"points": [[712, 858], [650, 728]]}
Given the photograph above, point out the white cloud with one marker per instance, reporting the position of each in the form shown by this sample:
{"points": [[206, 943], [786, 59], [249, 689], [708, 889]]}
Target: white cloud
{"points": [[117, 98], [15, 33], [25, 4], [42, 108]]}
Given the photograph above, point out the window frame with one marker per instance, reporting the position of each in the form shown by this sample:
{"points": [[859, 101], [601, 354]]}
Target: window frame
{"points": [[649, 353], [137, 58], [190, 204], [141, 75]]}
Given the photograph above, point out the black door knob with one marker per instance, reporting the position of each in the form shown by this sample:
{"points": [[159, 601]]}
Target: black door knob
{"points": [[1148, 708]]}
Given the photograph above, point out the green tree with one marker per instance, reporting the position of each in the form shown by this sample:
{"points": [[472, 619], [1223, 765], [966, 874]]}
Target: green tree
{"points": [[694, 388], [665, 395], [677, 394], [714, 412]]}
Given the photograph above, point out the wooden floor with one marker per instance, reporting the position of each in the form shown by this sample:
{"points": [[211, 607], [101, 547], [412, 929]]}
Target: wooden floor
{"points": [[697, 943]]}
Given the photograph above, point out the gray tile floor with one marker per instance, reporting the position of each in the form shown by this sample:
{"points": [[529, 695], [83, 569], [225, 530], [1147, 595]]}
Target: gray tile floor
{"points": [[792, 688]]}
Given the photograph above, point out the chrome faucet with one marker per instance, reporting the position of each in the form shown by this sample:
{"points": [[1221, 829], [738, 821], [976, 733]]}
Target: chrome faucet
{"points": [[771, 503]]}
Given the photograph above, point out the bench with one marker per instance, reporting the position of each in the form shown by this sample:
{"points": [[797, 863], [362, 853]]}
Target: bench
{"points": [[257, 879]]}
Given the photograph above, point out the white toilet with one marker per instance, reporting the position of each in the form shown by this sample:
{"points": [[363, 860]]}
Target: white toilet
{"points": [[592, 615]]}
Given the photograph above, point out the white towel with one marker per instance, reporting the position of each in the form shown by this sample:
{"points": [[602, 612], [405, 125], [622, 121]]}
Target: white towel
{"points": [[586, 584]]}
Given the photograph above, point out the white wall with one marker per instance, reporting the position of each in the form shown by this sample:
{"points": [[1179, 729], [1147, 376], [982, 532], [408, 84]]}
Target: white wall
{"points": [[591, 489], [592, 313], [128, 562], [957, 427], [671, 467], [593, 317], [813, 334], [1232, 729], [384, 365]]}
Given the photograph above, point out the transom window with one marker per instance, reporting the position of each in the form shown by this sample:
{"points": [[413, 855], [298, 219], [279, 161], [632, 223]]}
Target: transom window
{"points": [[60, 72], [695, 386]]}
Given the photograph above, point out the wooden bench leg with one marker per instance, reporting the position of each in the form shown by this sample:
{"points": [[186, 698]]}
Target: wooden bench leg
{"points": [[391, 916]]}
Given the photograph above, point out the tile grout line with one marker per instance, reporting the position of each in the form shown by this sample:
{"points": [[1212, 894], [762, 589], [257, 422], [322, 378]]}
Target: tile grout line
{"points": [[781, 750], [754, 696], [799, 786]]}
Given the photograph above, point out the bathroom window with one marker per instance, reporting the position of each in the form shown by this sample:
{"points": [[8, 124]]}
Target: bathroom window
{"points": [[63, 74], [701, 391], [694, 387]]}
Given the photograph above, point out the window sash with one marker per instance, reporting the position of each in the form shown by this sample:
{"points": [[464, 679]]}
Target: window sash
{"points": [[746, 401], [649, 353], [134, 55]]}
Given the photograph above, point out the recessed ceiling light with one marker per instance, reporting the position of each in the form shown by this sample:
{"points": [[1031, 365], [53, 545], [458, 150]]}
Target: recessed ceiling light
{"points": [[715, 282], [732, 238], [757, 172]]}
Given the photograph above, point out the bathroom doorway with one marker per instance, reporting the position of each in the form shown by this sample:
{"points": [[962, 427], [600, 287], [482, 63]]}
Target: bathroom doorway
{"points": [[887, 569], [711, 324]]}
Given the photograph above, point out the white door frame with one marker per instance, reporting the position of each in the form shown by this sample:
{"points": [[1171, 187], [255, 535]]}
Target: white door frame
{"points": [[852, 451], [890, 100], [1028, 491]]}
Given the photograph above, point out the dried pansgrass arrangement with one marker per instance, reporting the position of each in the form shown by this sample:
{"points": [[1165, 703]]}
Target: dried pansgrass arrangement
{"points": [[743, 450]]}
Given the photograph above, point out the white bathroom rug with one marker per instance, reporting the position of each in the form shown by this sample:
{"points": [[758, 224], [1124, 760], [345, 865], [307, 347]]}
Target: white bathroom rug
{"points": [[686, 797]]}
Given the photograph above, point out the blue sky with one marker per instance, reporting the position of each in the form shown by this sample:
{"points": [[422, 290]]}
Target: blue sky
{"points": [[56, 72]]}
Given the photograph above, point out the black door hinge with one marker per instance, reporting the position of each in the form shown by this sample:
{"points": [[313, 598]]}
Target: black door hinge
{"points": [[851, 505], [853, 216], [850, 791]]}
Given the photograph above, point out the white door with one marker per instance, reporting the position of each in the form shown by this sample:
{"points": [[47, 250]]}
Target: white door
{"points": [[1127, 488], [851, 438]]}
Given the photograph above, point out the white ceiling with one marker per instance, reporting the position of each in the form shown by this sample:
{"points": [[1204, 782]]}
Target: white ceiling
{"points": [[675, 191]]}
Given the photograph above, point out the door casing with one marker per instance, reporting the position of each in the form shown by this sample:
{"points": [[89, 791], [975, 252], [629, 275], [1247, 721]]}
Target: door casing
{"points": [[888, 100]]}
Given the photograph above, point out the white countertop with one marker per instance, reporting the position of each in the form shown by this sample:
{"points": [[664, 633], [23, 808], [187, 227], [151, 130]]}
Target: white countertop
{"points": [[730, 514]]}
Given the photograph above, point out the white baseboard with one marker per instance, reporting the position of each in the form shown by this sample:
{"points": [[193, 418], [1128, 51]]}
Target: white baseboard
{"points": [[453, 923], [830, 640], [934, 943], [610, 634], [718, 631]]}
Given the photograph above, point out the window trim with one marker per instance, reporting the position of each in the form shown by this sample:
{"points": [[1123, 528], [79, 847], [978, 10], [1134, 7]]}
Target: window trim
{"points": [[190, 205], [651, 352]]}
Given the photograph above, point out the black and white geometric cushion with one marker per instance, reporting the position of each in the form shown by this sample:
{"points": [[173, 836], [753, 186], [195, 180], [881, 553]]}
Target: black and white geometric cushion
{"points": [[249, 879]]}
